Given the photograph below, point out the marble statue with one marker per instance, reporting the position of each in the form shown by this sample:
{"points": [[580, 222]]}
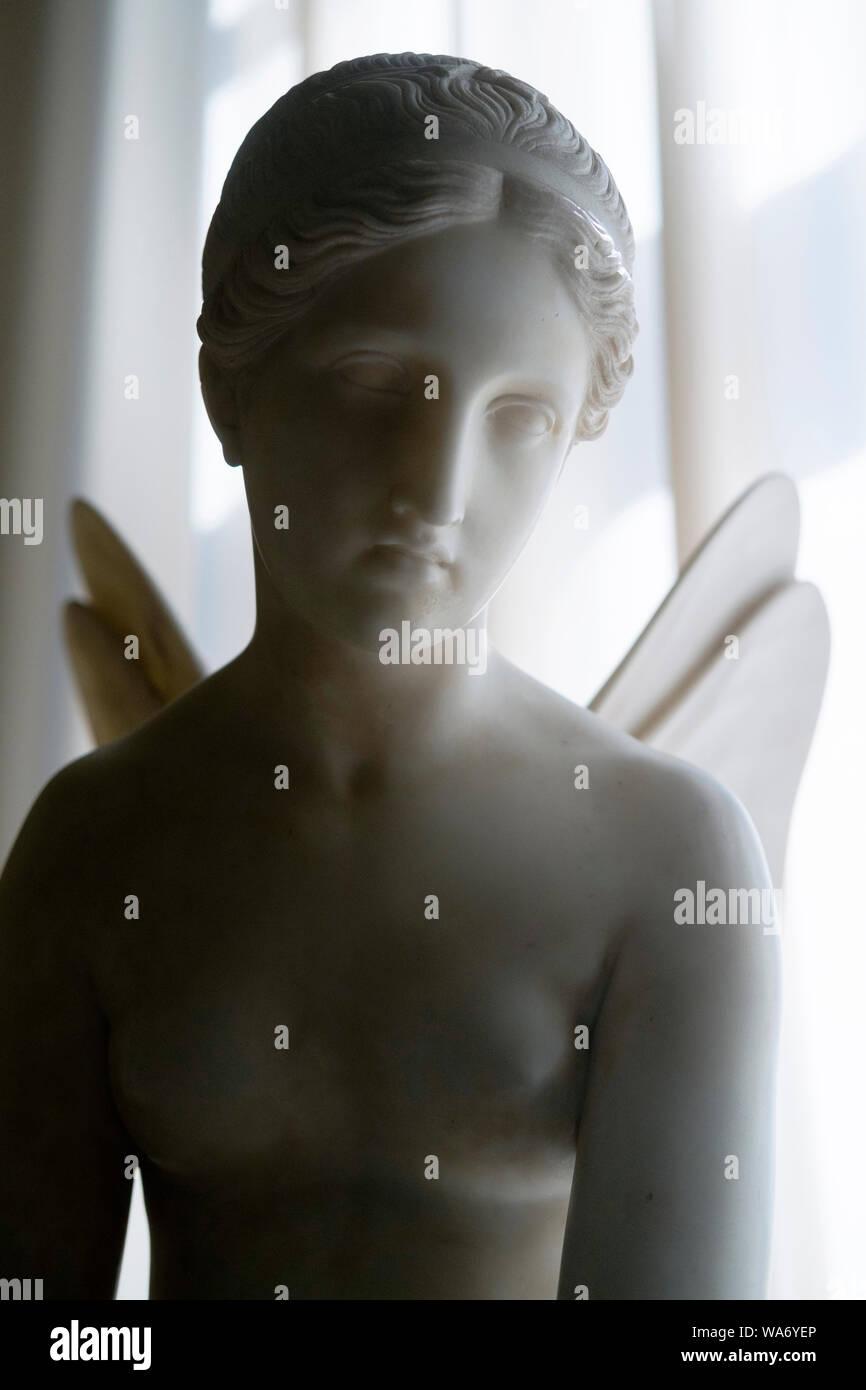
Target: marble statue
{"points": [[390, 980]]}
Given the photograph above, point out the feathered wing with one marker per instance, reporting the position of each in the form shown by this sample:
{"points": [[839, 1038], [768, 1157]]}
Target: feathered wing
{"points": [[743, 710], [730, 670], [119, 694]]}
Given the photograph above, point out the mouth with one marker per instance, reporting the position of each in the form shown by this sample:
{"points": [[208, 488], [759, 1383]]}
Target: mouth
{"points": [[391, 557], [419, 556]]}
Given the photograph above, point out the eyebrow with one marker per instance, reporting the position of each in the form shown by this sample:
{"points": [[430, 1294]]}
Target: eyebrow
{"points": [[331, 336]]}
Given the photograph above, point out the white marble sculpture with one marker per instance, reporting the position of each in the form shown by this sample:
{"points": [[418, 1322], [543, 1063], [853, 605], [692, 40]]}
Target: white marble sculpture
{"points": [[386, 1001]]}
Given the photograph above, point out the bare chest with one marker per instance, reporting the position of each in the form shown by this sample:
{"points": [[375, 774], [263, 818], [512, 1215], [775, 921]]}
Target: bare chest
{"points": [[377, 1013]]}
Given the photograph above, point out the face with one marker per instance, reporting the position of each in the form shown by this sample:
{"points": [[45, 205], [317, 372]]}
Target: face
{"points": [[414, 423]]}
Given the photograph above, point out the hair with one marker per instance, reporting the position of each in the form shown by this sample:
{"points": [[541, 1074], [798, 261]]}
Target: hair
{"points": [[290, 184]]}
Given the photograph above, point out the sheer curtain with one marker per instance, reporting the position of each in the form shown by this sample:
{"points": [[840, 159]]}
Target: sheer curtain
{"points": [[748, 265], [765, 287]]}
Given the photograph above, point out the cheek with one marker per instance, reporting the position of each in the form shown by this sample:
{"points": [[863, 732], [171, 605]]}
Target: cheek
{"points": [[318, 468], [512, 488]]}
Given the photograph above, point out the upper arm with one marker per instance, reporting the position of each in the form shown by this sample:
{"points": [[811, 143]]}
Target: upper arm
{"points": [[64, 1199], [672, 1194]]}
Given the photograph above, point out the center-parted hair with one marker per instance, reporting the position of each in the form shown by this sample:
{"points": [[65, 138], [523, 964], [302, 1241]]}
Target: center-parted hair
{"points": [[305, 178]]}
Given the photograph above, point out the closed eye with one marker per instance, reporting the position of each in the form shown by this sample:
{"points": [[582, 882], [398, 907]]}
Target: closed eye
{"points": [[523, 415], [373, 372]]}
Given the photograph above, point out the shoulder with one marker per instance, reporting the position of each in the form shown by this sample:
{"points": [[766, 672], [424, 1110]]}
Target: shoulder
{"points": [[55, 868], [101, 803], [694, 828], [65, 811], [691, 819], [703, 924], [84, 804], [661, 825], [666, 802]]}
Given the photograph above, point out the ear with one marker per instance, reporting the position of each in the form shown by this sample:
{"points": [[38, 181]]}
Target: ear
{"points": [[220, 402]]}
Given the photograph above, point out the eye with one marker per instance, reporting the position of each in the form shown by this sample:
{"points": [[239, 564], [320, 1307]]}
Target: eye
{"points": [[373, 372], [522, 416]]}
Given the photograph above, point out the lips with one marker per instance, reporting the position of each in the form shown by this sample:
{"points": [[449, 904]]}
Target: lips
{"points": [[421, 554], [423, 557]]}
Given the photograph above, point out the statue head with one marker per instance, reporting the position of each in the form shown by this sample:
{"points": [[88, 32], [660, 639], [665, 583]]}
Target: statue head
{"points": [[417, 297]]}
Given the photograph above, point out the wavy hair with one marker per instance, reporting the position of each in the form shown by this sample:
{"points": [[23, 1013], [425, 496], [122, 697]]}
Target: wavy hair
{"points": [[290, 184]]}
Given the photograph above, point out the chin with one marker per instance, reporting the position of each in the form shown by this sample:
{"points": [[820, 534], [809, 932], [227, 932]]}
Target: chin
{"points": [[364, 622]]}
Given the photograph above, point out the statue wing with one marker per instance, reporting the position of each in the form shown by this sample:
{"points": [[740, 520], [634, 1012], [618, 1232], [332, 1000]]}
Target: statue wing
{"points": [[730, 670], [119, 694]]}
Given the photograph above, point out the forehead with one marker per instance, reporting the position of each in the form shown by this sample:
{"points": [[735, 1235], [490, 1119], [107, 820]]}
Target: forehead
{"points": [[485, 295]]}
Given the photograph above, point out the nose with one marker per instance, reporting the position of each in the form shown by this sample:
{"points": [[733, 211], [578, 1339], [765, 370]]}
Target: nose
{"points": [[435, 475]]}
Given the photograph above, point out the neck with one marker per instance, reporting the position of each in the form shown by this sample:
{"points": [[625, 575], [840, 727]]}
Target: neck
{"points": [[348, 721]]}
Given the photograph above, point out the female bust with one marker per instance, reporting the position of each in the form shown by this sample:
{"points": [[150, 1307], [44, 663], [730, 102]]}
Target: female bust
{"points": [[384, 1001]]}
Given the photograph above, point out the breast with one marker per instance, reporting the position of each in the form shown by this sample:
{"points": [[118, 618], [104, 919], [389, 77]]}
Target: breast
{"points": [[481, 1076], [203, 1089]]}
